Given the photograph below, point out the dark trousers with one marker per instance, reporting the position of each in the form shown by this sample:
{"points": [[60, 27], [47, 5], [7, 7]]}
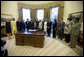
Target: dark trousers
{"points": [[49, 31], [54, 33], [67, 38], [61, 34]]}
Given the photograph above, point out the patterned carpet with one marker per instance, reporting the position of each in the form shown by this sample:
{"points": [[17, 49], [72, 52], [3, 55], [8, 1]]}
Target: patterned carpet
{"points": [[52, 47]]}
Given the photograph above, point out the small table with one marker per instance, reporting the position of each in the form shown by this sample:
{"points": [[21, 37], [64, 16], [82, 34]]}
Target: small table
{"points": [[30, 38]]}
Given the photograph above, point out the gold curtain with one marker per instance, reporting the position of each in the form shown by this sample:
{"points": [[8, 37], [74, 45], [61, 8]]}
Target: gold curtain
{"points": [[46, 8]]}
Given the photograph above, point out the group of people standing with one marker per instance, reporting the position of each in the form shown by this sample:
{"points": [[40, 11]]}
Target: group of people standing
{"points": [[69, 30], [10, 27]]}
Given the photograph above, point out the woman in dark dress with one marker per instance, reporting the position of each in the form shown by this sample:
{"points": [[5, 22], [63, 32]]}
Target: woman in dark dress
{"points": [[8, 28], [54, 28]]}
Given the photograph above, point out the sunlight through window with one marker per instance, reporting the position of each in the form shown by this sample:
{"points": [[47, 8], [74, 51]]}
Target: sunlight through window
{"points": [[54, 13], [40, 14], [26, 14]]}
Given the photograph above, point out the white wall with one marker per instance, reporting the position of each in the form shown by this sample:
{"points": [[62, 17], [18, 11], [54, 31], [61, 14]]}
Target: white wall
{"points": [[9, 7], [71, 7]]}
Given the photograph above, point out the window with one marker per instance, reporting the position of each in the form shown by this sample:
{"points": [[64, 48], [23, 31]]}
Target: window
{"points": [[40, 14], [54, 13], [26, 14]]}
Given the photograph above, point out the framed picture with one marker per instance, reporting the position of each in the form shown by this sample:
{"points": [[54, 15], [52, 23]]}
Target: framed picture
{"points": [[4, 17], [77, 15]]}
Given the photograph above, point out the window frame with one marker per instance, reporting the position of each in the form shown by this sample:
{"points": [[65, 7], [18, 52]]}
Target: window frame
{"points": [[54, 7], [30, 12], [40, 9]]}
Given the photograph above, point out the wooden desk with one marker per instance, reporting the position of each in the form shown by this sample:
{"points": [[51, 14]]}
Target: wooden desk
{"points": [[35, 39]]}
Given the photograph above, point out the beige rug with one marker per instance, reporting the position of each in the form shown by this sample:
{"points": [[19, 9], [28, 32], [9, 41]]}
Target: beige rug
{"points": [[52, 47]]}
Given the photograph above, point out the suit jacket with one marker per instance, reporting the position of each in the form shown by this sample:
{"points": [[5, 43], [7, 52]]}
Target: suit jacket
{"points": [[42, 25], [18, 25], [49, 24], [31, 25], [37, 24], [27, 24], [61, 25], [54, 26], [22, 25]]}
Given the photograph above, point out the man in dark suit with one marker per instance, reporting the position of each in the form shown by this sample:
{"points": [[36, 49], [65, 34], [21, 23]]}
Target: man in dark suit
{"points": [[18, 25], [22, 25], [27, 24], [42, 26], [49, 24], [31, 24], [61, 28], [37, 23]]}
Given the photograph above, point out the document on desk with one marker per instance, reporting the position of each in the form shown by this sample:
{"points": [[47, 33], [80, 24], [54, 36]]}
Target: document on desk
{"points": [[32, 30]]}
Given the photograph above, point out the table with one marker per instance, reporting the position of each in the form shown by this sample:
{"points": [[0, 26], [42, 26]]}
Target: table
{"points": [[31, 38]]}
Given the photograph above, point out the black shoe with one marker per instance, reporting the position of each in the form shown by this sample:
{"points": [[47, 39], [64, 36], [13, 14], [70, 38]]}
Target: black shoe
{"points": [[60, 39]]}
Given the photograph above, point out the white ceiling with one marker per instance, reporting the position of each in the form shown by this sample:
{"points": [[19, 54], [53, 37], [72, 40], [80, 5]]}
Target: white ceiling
{"points": [[35, 2]]}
